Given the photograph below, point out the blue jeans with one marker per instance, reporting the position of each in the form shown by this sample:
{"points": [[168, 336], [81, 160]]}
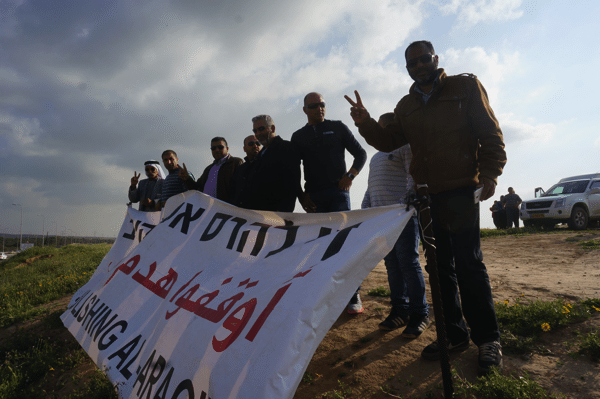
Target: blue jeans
{"points": [[455, 220], [405, 275], [332, 199]]}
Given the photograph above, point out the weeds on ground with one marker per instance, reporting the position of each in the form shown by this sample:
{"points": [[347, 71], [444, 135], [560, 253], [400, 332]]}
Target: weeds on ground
{"points": [[37, 363], [497, 386], [379, 291], [523, 324], [342, 393], [60, 272], [590, 244], [590, 345]]}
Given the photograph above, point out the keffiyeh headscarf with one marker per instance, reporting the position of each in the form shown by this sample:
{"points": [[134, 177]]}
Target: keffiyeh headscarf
{"points": [[156, 164]]}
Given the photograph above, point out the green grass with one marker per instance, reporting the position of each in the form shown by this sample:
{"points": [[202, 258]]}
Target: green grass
{"points": [[60, 272], [498, 386], [523, 324], [379, 291]]}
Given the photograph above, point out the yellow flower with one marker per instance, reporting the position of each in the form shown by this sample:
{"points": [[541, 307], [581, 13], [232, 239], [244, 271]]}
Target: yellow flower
{"points": [[506, 302], [545, 327], [597, 310], [565, 309], [569, 305]]}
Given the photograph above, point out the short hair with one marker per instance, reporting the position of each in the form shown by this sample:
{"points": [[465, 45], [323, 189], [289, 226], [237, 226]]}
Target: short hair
{"points": [[247, 137], [420, 43], [167, 152], [268, 120], [220, 139], [387, 118], [311, 93]]}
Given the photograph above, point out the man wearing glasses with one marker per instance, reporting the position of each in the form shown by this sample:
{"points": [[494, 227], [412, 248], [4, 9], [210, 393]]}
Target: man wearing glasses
{"points": [[457, 147], [273, 178], [217, 176], [238, 182], [150, 189], [322, 146]]}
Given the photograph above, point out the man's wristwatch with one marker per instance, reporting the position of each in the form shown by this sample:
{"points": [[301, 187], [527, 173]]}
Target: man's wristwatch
{"points": [[350, 175]]}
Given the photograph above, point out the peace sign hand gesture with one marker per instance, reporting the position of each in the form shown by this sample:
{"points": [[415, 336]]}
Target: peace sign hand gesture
{"points": [[135, 179], [358, 112], [183, 173]]}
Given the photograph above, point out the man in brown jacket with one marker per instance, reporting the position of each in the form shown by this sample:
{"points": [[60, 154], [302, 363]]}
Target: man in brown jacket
{"points": [[457, 148], [216, 177]]}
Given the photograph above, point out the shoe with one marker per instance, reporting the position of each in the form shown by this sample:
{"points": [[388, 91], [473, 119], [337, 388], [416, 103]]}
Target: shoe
{"points": [[432, 351], [355, 305], [393, 321], [415, 327], [490, 355]]}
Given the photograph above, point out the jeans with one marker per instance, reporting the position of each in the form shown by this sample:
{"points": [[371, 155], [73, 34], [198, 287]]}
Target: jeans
{"points": [[405, 275], [455, 220], [332, 199]]}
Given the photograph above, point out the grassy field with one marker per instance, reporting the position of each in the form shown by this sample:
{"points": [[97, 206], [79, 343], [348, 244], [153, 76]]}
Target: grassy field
{"points": [[39, 358]]}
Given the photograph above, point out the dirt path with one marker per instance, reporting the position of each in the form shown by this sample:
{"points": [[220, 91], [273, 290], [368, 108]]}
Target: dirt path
{"points": [[358, 355]]}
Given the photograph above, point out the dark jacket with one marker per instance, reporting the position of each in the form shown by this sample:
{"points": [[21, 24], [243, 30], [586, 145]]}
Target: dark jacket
{"points": [[322, 149], [272, 180], [223, 178], [454, 137]]}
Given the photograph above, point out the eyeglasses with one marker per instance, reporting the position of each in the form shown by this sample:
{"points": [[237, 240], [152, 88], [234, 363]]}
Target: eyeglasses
{"points": [[425, 59], [259, 129], [315, 105], [253, 143], [217, 147]]}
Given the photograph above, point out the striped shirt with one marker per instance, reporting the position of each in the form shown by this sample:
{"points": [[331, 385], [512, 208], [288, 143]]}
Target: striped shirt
{"points": [[173, 185], [389, 181]]}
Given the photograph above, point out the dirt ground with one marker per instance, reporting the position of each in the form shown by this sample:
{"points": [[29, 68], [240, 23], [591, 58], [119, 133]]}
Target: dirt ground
{"points": [[357, 360], [356, 355]]}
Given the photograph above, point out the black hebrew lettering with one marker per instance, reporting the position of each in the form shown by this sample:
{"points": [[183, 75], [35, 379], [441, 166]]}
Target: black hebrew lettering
{"points": [[243, 240], [338, 241], [173, 213], [208, 235], [324, 231], [131, 236], [260, 237], [187, 218], [239, 223], [290, 238]]}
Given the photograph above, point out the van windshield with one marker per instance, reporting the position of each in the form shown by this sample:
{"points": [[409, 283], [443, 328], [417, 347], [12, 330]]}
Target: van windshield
{"points": [[570, 187]]}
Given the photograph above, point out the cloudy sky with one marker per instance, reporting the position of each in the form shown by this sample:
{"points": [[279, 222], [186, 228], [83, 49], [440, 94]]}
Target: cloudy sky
{"points": [[89, 90]]}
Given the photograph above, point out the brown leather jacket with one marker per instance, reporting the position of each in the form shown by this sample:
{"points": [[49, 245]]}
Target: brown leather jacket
{"points": [[454, 137]]}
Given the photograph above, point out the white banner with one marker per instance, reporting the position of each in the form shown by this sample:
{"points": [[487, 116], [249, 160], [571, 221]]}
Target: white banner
{"points": [[221, 302]]}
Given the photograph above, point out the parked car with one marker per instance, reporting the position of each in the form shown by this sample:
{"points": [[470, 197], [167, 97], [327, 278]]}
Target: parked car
{"points": [[573, 200], [3, 256]]}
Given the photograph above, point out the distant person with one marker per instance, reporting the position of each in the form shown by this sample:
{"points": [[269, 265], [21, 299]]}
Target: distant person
{"points": [[457, 147], [274, 176], [511, 205], [173, 184], [217, 176], [238, 182], [322, 146], [150, 189], [390, 183], [498, 213]]}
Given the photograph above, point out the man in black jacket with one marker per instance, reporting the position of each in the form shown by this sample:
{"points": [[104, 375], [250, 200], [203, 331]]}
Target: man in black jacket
{"points": [[273, 178]]}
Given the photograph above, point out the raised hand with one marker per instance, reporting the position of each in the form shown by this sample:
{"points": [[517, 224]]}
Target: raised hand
{"points": [[358, 112], [183, 173], [135, 179]]}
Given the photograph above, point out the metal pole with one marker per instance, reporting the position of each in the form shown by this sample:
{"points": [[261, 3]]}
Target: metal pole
{"points": [[422, 203], [21, 229]]}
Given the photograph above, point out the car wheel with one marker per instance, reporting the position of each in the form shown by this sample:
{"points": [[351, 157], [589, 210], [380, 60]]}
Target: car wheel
{"points": [[579, 219]]}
